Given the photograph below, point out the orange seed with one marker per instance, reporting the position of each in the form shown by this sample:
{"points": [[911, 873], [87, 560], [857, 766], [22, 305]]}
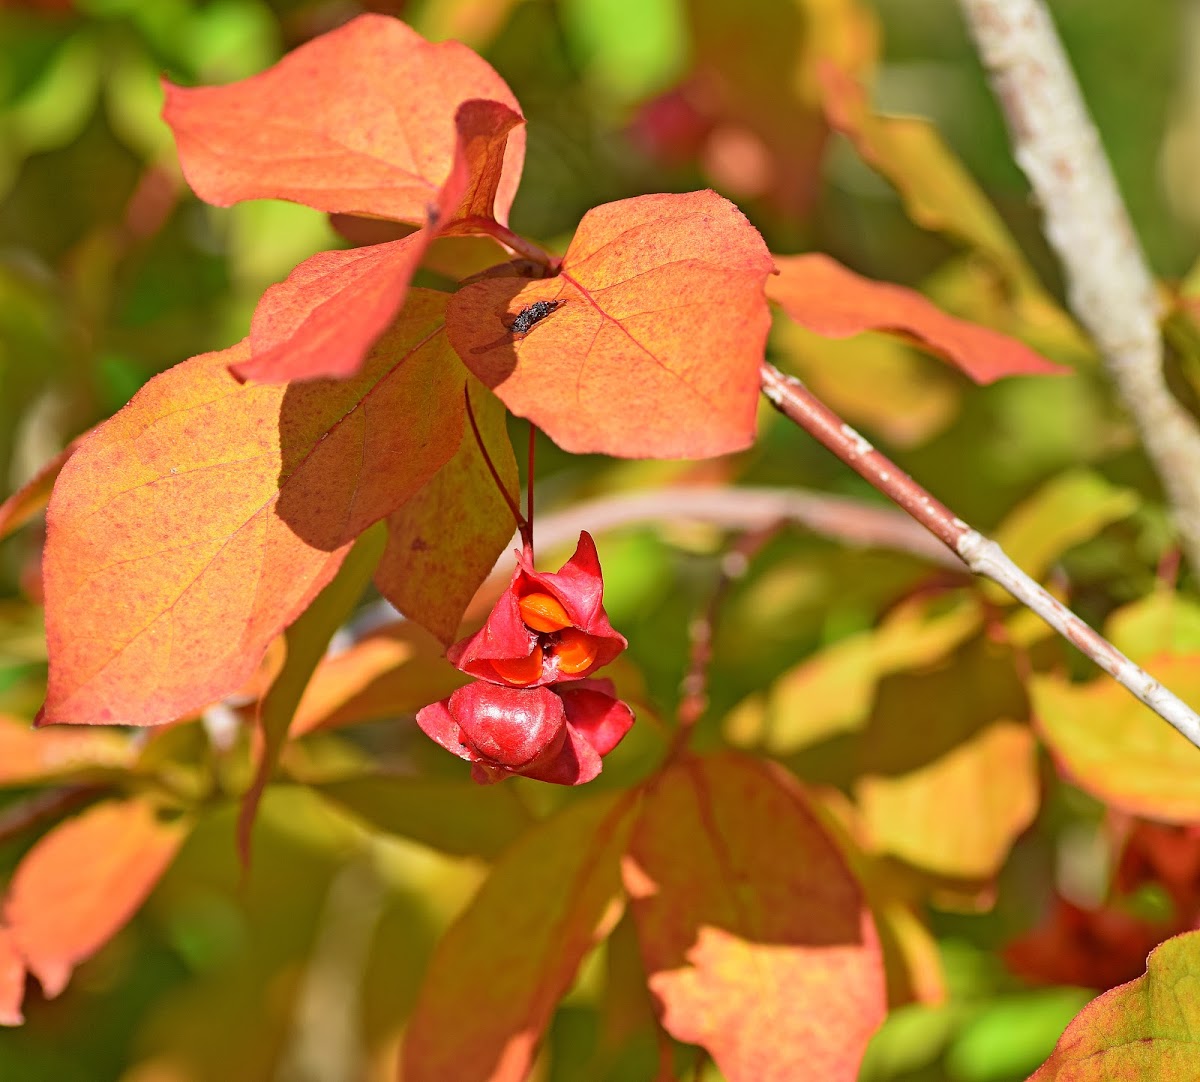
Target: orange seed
{"points": [[575, 650], [520, 670], [541, 612]]}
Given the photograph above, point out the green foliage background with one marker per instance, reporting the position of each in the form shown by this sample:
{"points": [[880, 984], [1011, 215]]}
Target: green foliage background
{"points": [[110, 274]]}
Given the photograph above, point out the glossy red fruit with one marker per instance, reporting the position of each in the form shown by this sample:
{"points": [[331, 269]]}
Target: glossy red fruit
{"points": [[555, 734]]}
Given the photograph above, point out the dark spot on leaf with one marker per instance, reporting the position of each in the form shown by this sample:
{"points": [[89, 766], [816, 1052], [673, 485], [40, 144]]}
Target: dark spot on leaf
{"points": [[531, 314]]}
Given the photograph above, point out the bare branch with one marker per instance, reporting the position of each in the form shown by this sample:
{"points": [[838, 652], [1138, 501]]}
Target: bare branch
{"points": [[982, 556], [849, 521], [1111, 290]]}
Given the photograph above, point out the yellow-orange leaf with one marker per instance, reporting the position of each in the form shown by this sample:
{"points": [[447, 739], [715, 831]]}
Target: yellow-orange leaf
{"points": [[822, 295], [197, 523], [990, 779], [756, 936], [938, 192], [655, 347], [953, 736], [83, 881], [1117, 749], [30, 755], [499, 971], [391, 672], [358, 121]]}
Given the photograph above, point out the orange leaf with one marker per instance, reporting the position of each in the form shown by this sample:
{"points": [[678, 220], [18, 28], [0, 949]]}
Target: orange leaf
{"points": [[12, 980], [357, 121], [1146, 1029], [756, 937], [655, 348], [29, 755], [445, 540], [394, 671], [823, 296], [83, 881], [204, 517], [500, 969], [323, 319], [994, 282]]}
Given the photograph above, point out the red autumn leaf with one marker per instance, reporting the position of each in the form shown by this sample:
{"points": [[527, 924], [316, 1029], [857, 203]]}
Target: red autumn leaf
{"points": [[655, 346], [443, 542], [769, 961], [1164, 854], [358, 121], [83, 881], [323, 319], [12, 980], [826, 298], [500, 969], [1091, 948], [203, 518], [1146, 1029]]}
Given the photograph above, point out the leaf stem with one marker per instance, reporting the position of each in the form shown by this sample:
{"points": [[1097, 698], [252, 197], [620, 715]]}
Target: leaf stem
{"points": [[523, 524], [522, 246], [527, 533], [981, 555]]}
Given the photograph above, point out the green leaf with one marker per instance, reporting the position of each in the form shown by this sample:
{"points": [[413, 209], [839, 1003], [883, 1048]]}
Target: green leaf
{"points": [[1067, 510], [459, 818]]}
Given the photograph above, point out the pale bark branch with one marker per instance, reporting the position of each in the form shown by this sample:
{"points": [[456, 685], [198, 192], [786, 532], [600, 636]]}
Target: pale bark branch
{"points": [[982, 556], [1110, 289], [846, 520]]}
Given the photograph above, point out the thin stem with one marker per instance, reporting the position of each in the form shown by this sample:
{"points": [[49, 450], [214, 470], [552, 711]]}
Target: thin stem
{"points": [[527, 534], [522, 246], [522, 523], [693, 700], [984, 557]]}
